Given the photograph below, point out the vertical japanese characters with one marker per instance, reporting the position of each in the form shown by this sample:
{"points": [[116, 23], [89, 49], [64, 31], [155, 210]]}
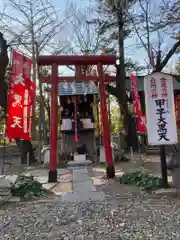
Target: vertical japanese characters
{"points": [[20, 98], [160, 112], [161, 121], [153, 88], [161, 102]]}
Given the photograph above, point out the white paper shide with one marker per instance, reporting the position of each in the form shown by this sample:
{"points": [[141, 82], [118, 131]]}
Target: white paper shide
{"points": [[160, 113]]}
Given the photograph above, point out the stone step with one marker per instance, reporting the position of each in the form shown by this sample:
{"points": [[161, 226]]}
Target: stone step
{"points": [[79, 163], [152, 150], [155, 152], [5, 187], [5, 183], [7, 193], [81, 197], [5, 198]]}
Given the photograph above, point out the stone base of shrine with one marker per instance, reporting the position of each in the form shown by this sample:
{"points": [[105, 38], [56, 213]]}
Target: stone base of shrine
{"points": [[80, 157], [78, 163]]}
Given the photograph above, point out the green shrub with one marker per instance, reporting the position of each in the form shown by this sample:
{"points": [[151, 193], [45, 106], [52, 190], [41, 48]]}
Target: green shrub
{"points": [[145, 181]]}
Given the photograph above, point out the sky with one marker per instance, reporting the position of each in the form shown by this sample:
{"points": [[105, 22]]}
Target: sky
{"points": [[62, 3], [131, 49]]}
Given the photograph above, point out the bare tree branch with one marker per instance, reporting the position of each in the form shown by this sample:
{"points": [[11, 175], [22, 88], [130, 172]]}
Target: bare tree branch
{"points": [[147, 24], [37, 21], [168, 56]]}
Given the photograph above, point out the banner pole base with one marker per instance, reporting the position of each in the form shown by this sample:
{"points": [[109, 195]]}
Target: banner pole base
{"points": [[163, 167]]}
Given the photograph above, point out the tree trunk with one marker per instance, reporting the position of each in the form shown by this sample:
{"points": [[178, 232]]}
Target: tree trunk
{"points": [[129, 126], [42, 116], [42, 121]]}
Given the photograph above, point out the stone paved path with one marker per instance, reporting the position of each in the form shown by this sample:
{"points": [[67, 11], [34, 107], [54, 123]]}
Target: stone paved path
{"points": [[83, 188]]}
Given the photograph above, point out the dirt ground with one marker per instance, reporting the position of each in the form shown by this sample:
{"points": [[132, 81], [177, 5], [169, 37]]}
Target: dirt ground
{"points": [[113, 188]]}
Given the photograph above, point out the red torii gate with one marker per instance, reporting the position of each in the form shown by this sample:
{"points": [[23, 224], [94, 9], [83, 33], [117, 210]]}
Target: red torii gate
{"points": [[77, 61]]}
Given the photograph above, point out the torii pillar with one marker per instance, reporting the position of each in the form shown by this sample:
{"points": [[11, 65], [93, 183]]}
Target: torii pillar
{"points": [[105, 123], [54, 125]]}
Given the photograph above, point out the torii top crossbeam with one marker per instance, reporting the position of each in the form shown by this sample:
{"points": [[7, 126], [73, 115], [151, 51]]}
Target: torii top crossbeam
{"points": [[76, 60]]}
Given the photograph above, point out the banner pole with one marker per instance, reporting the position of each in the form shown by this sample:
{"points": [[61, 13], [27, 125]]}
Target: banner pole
{"points": [[163, 166], [4, 149], [5, 114], [136, 125]]}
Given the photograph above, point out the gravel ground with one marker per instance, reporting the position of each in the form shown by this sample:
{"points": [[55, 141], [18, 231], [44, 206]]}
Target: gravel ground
{"points": [[120, 218]]}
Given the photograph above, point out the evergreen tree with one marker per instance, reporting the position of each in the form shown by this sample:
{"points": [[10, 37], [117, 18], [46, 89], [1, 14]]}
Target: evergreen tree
{"points": [[115, 22]]}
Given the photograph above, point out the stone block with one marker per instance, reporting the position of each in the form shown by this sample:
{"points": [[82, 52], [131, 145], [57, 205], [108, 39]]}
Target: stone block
{"points": [[98, 181], [176, 178], [14, 199], [41, 180], [70, 145], [38, 173], [80, 177], [61, 188], [79, 163], [174, 161], [5, 192], [63, 171], [5, 183], [11, 178], [80, 171], [86, 186], [5, 198], [80, 157], [76, 167], [49, 186], [167, 192], [102, 155], [65, 178], [81, 197]]}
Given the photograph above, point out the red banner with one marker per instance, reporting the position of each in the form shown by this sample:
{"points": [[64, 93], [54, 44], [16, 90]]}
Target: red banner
{"points": [[141, 126], [177, 111], [20, 98]]}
